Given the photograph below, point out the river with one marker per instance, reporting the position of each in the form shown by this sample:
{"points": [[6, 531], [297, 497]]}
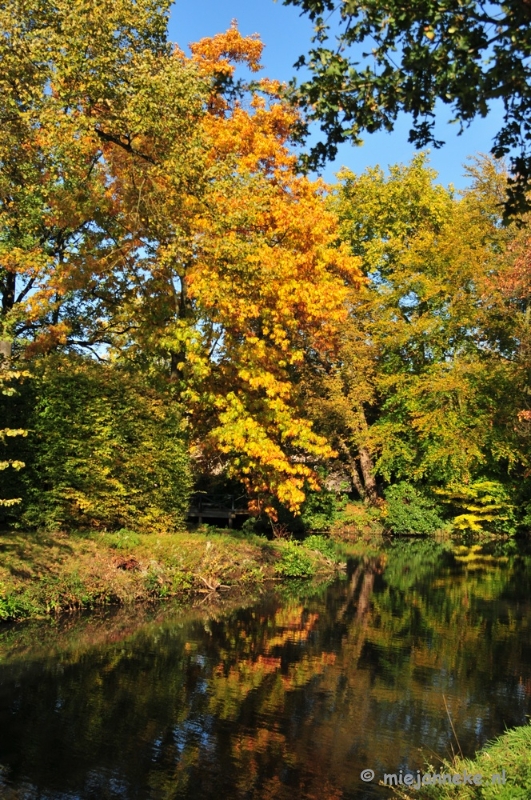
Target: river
{"points": [[423, 649]]}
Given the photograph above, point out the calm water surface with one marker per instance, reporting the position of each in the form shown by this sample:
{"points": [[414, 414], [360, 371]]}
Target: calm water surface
{"points": [[291, 697]]}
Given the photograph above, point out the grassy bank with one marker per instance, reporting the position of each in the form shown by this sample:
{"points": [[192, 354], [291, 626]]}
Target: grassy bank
{"points": [[509, 757], [42, 574]]}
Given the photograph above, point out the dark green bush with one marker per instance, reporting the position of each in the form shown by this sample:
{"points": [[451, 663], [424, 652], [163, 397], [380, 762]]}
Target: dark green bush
{"points": [[409, 511], [294, 562], [106, 450], [322, 509]]}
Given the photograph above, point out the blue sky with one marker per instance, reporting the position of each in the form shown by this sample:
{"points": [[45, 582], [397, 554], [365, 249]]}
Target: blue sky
{"points": [[287, 35]]}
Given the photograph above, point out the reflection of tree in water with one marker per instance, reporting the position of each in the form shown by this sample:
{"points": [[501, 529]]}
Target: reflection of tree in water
{"points": [[362, 578], [284, 700]]}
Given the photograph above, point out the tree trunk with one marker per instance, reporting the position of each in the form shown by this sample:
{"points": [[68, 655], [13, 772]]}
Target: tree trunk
{"points": [[8, 292], [367, 464], [8, 301], [353, 471], [367, 470]]}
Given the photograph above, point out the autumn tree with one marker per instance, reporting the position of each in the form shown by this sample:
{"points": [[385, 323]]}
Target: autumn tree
{"points": [[82, 86], [155, 214], [242, 279], [428, 375]]}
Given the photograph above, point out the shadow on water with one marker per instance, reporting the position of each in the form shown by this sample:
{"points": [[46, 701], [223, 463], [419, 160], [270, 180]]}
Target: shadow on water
{"points": [[290, 697]]}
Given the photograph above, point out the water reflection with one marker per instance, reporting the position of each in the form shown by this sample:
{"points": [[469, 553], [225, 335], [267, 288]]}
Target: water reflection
{"points": [[289, 698]]}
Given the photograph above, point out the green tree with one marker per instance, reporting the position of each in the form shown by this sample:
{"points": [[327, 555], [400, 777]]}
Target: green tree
{"points": [[390, 57], [429, 380], [106, 449]]}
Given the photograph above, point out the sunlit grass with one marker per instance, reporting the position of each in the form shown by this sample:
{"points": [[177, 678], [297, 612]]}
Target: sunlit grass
{"points": [[47, 573]]}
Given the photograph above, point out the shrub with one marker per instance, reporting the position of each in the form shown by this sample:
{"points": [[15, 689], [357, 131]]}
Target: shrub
{"points": [[410, 512], [323, 545], [294, 562], [481, 506], [106, 450], [322, 509]]}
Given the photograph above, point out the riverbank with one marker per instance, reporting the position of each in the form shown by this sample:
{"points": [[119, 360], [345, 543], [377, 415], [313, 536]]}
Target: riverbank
{"points": [[43, 574], [500, 771]]}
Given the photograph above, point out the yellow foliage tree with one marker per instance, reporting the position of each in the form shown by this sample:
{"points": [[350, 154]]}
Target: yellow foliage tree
{"points": [[246, 279]]}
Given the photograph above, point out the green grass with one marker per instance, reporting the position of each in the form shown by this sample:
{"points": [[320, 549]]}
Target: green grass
{"points": [[508, 756], [43, 573]]}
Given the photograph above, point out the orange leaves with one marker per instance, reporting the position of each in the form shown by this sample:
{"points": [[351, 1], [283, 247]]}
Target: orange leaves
{"points": [[253, 139], [267, 281], [515, 281], [48, 340], [253, 136], [219, 54], [269, 264]]}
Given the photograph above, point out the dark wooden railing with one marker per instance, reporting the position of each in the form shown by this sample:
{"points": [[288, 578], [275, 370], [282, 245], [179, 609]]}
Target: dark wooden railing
{"points": [[215, 507]]}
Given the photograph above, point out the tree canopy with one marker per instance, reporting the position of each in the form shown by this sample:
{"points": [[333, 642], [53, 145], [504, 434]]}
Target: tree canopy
{"points": [[372, 60], [161, 253], [154, 215], [430, 382]]}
